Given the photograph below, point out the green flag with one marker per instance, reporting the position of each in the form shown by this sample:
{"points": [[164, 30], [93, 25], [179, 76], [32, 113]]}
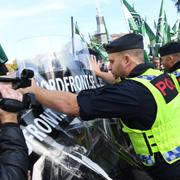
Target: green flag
{"points": [[146, 41], [155, 25], [175, 26], [175, 31], [138, 25], [160, 26], [166, 35], [133, 18], [149, 32], [179, 32], [3, 57], [100, 50], [77, 31]]}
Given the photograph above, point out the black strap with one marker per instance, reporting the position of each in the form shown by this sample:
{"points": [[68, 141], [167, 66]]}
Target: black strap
{"points": [[148, 145]]}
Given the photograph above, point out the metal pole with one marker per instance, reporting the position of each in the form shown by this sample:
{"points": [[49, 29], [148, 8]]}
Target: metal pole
{"points": [[72, 35]]}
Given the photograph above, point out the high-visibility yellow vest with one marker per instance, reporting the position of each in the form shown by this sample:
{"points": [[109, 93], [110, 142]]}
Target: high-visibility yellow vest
{"points": [[164, 135]]}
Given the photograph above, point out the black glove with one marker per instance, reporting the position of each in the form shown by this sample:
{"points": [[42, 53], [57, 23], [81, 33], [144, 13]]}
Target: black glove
{"points": [[13, 105]]}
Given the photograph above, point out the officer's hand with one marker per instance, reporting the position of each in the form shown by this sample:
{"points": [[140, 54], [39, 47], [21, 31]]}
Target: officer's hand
{"points": [[95, 65]]}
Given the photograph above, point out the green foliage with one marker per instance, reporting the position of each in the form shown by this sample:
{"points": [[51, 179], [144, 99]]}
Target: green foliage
{"points": [[164, 33]]}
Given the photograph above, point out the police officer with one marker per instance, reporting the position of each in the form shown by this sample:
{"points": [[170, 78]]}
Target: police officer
{"points": [[141, 100], [170, 58]]}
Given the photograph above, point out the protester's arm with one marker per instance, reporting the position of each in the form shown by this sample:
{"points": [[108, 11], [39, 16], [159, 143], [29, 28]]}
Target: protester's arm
{"points": [[13, 149], [106, 76]]}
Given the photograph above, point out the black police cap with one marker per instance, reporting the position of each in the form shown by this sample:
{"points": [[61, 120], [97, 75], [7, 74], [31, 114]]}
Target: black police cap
{"points": [[126, 42], [169, 48]]}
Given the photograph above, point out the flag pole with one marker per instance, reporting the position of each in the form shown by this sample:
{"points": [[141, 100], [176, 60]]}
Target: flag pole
{"points": [[72, 36]]}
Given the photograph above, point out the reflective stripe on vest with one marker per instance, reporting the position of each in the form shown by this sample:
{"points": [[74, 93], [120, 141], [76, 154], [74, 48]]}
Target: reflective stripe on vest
{"points": [[169, 156], [148, 77], [146, 159], [176, 73], [173, 154]]}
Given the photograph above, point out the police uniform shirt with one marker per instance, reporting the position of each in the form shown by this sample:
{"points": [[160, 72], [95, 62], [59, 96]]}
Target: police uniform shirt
{"points": [[126, 100]]}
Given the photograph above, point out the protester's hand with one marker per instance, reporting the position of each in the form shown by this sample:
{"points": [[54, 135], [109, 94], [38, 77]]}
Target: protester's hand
{"points": [[95, 65], [7, 92]]}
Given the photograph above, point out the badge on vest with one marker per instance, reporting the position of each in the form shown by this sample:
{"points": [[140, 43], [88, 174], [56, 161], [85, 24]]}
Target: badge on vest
{"points": [[166, 86]]}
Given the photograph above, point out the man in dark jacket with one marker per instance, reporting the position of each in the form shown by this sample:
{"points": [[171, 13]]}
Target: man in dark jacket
{"points": [[13, 149]]}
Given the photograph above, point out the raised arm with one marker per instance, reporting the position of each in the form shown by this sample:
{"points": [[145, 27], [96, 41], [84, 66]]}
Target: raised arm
{"points": [[106, 76]]}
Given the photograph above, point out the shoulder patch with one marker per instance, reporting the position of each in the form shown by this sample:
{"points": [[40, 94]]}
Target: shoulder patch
{"points": [[166, 86]]}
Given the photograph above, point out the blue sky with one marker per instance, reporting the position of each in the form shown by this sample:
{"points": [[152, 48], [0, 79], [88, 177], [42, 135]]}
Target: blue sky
{"points": [[25, 19]]}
